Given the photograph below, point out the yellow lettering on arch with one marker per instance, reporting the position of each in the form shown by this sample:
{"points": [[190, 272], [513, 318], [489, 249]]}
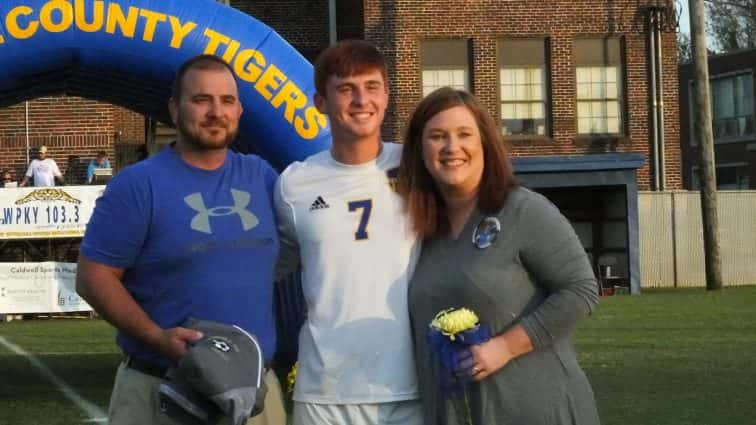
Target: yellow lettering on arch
{"points": [[245, 69], [179, 31], [66, 15], [271, 78], [127, 24], [152, 20], [231, 50], [98, 15], [216, 39], [292, 95], [11, 23], [309, 127]]}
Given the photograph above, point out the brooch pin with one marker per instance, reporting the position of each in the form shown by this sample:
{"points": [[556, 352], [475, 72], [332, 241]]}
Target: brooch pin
{"points": [[485, 232]]}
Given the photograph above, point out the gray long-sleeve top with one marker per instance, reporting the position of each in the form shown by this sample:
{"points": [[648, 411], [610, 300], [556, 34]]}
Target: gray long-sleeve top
{"points": [[536, 274]]}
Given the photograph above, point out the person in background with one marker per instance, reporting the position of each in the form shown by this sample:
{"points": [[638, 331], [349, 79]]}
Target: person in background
{"points": [[505, 253], [100, 161], [43, 170], [8, 180], [188, 233]]}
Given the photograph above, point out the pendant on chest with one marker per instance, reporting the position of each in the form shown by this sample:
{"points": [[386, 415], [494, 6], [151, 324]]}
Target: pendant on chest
{"points": [[486, 232]]}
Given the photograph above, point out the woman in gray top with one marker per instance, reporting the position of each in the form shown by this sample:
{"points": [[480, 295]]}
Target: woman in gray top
{"points": [[507, 254]]}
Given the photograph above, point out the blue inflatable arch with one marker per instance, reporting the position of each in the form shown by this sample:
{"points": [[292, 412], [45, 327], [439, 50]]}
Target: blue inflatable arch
{"points": [[126, 52]]}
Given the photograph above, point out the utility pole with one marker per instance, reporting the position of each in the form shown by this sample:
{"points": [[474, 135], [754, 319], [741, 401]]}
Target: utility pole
{"points": [[705, 138]]}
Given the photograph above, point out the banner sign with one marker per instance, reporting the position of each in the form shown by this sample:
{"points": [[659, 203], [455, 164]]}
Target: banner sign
{"points": [[137, 46], [49, 212], [48, 287]]}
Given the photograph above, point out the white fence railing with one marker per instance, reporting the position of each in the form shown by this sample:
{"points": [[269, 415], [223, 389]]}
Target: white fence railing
{"points": [[671, 238]]}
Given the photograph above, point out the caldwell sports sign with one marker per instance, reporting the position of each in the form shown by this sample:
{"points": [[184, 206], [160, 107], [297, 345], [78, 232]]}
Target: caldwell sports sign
{"points": [[48, 287], [147, 40]]}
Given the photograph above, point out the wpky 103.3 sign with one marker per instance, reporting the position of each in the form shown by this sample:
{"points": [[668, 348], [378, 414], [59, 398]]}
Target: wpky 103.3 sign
{"points": [[27, 213]]}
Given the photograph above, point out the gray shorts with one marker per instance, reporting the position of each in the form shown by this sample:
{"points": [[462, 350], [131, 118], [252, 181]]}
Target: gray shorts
{"points": [[392, 413]]}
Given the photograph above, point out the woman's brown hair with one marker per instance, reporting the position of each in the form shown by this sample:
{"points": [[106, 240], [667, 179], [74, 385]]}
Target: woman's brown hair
{"points": [[425, 205]]}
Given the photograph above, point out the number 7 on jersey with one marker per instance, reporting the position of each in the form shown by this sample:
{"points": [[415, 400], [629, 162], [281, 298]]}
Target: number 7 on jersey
{"points": [[366, 205]]}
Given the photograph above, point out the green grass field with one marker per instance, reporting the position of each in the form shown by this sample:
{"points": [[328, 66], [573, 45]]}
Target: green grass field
{"points": [[665, 357]]}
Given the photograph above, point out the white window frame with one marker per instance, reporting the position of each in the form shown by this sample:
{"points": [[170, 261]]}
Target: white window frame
{"points": [[456, 78], [521, 98], [599, 99]]}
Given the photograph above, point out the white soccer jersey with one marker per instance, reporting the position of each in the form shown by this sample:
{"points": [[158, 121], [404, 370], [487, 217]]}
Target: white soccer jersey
{"points": [[357, 254]]}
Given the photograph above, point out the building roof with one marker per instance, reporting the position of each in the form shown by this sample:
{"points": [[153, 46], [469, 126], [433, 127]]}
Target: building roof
{"points": [[591, 162]]}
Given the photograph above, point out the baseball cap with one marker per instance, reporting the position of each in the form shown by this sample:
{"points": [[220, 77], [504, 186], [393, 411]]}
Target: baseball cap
{"points": [[43, 149], [221, 375]]}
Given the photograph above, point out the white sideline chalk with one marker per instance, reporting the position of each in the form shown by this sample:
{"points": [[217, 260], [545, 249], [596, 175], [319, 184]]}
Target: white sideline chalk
{"points": [[95, 413]]}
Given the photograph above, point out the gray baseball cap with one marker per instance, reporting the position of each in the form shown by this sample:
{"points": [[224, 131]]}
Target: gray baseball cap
{"points": [[221, 375]]}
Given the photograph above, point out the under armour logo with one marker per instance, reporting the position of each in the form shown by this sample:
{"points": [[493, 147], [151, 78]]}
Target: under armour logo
{"points": [[201, 221], [221, 345]]}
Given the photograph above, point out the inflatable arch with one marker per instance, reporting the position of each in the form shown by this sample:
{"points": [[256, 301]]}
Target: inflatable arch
{"points": [[126, 52]]}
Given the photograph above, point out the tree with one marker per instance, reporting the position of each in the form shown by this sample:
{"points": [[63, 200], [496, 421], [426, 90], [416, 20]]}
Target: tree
{"points": [[684, 48], [731, 24]]}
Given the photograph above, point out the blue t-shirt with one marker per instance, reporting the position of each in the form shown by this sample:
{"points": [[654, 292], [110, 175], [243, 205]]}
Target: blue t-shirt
{"points": [[193, 243], [92, 166]]}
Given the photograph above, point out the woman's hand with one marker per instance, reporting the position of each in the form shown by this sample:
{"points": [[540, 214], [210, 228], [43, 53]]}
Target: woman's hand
{"points": [[495, 353], [489, 357]]}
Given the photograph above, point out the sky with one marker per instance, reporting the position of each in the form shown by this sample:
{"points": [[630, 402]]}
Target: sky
{"points": [[684, 19]]}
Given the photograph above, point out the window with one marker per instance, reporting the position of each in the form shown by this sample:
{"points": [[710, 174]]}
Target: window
{"points": [[444, 63], [598, 77], [732, 107], [522, 87], [729, 177]]}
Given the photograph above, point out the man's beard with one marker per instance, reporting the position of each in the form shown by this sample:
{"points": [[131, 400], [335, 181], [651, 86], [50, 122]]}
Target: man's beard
{"points": [[207, 142]]}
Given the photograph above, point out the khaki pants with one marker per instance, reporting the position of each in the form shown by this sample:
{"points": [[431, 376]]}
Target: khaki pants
{"points": [[135, 401]]}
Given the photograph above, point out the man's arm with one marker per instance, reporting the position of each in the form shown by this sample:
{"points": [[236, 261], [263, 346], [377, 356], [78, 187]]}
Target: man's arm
{"points": [[90, 171], [101, 286], [288, 257], [57, 174]]}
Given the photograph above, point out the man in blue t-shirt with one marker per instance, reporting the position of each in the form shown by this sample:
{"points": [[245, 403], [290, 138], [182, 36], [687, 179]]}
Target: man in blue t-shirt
{"points": [[100, 161], [190, 232]]}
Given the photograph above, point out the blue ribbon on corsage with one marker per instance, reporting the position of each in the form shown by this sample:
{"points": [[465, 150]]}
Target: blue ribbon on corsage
{"points": [[450, 335]]}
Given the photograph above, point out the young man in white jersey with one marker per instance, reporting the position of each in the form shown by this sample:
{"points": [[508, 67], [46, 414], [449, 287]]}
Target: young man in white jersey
{"points": [[341, 220]]}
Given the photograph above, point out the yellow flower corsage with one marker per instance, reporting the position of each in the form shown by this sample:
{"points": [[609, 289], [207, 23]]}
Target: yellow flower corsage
{"points": [[451, 322], [291, 377]]}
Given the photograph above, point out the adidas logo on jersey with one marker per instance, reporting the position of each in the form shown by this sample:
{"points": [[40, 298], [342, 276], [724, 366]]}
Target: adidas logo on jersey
{"points": [[319, 204], [393, 179]]}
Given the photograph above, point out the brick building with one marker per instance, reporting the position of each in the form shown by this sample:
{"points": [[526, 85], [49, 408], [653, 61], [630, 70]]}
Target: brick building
{"points": [[571, 82], [73, 129], [733, 121]]}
